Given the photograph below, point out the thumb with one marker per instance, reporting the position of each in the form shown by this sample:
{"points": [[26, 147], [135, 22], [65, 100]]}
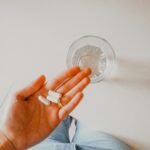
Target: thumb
{"points": [[31, 88]]}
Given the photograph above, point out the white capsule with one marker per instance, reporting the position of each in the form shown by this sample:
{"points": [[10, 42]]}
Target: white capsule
{"points": [[54, 94], [44, 100], [52, 99]]}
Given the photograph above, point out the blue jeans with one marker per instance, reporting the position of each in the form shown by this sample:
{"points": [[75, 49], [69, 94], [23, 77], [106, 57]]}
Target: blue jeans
{"points": [[84, 139]]}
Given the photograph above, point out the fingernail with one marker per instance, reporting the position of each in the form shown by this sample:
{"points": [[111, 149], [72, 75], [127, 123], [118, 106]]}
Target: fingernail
{"points": [[88, 71]]}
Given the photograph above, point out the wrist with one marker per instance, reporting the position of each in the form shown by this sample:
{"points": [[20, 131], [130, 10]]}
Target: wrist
{"points": [[5, 143]]}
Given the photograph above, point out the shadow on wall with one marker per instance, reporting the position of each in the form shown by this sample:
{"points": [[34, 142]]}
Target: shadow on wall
{"points": [[133, 73]]}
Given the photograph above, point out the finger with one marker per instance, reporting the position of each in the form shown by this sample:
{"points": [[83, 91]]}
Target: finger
{"points": [[78, 88], [74, 81], [32, 88], [62, 78], [64, 111]]}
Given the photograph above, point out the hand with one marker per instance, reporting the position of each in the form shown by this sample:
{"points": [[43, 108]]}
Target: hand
{"points": [[29, 121]]}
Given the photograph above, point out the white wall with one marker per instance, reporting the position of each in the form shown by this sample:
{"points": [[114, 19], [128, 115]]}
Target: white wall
{"points": [[34, 39]]}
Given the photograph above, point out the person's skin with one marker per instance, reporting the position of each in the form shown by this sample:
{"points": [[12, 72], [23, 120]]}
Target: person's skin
{"points": [[29, 121]]}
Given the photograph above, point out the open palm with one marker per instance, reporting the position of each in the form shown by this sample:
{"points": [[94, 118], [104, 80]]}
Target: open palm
{"points": [[29, 121]]}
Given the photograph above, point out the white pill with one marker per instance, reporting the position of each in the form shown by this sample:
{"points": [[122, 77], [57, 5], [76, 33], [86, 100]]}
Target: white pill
{"points": [[54, 94], [44, 100], [52, 99]]}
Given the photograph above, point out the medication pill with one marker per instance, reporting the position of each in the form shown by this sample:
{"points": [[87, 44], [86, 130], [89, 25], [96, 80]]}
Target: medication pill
{"points": [[44, 100], [52, 99], [54, 94]]}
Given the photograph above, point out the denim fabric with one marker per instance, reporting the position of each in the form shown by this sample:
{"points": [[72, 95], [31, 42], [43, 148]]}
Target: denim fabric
{"points": [[84, 139]]}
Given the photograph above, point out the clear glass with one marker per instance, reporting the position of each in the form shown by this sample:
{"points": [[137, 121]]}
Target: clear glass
{"points": [[94, 52]]}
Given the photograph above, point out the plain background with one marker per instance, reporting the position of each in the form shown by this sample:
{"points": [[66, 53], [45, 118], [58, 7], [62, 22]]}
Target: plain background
{"points": [[34, 39]]}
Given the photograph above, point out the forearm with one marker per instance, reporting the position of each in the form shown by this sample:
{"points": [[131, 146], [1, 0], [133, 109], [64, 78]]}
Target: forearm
{"points": [[5, 143]]}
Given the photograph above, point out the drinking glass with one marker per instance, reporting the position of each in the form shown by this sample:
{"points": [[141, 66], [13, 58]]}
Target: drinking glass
{"points": [[94, 52]]}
